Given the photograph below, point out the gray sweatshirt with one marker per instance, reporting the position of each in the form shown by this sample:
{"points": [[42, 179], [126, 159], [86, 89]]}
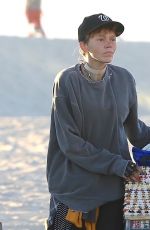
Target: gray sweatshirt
{"points": [[88, 150]]}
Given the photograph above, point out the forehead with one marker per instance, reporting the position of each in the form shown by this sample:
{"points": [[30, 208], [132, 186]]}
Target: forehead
{"points": [[103, 31]]}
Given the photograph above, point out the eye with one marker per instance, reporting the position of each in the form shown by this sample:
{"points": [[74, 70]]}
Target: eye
{"points": [[113, 39], [101, 39]]}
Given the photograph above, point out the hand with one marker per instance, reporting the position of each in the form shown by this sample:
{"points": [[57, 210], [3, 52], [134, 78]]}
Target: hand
{"points": [[132, 172], [135, 176]]}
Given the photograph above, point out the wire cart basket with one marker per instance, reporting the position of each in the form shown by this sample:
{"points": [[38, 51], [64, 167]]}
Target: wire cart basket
{"points": [[137, 195]]}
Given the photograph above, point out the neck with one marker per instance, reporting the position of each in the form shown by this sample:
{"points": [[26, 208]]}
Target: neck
{"points": [[96, 74], [92, 70]]}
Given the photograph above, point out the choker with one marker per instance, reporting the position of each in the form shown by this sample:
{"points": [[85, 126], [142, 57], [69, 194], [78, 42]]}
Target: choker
{"points": [[92, 74], [91, 70]]}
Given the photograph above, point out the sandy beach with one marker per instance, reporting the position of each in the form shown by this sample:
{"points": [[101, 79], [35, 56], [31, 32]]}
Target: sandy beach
{"points": [[24, 196]]}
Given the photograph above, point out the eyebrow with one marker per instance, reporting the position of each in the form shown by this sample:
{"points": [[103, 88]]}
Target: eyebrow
{"points": [[102, 34]]}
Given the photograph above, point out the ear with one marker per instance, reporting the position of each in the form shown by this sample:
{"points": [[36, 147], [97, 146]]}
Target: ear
{"points": [[83, 47]]}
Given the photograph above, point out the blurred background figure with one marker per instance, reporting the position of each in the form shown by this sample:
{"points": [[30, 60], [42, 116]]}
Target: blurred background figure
{"points": [[33, 14]]}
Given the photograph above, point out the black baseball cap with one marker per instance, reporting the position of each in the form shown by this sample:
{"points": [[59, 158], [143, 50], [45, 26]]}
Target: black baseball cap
{"points": [[96, 21]]}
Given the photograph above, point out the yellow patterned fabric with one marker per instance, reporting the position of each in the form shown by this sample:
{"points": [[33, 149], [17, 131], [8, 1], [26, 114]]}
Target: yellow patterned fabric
{"points": [[75, 218]]}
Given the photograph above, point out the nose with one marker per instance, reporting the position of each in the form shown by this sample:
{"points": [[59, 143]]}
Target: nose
{"points": [[108, 43]]}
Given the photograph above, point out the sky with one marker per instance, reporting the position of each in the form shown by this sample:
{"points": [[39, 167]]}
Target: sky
{"points": [[61, 18]]}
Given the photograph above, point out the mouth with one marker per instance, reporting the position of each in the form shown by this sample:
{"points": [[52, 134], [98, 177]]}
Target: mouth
{"points": [[108, 53]]}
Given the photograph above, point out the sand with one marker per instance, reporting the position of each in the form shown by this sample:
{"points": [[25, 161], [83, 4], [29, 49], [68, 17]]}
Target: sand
{"points": [[24, 195]]}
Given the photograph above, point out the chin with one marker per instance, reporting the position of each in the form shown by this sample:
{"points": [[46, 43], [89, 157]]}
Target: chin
{"points": [[108, 60]]}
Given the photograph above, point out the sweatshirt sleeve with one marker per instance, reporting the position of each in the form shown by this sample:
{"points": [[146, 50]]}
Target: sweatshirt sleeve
{"points": [[137, 131], [79, 151]]}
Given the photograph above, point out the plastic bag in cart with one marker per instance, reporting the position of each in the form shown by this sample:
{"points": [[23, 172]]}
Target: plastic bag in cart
{"points": [[141, 156]]}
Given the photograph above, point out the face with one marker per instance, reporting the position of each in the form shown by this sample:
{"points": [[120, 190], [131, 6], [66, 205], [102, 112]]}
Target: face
{"points": [[100, 46]]}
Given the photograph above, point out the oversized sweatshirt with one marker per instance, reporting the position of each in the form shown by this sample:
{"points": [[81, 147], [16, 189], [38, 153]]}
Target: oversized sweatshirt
{"points": [[88, 148]]}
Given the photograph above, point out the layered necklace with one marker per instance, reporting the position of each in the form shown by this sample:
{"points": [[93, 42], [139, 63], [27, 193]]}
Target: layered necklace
{"points": [[92, 74]]}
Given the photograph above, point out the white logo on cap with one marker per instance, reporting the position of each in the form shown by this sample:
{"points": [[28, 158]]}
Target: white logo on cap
{"points": [[103, 17]]}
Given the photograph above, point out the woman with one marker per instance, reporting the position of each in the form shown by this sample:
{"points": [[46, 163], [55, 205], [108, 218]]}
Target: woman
{"points": [[94, 111]]}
